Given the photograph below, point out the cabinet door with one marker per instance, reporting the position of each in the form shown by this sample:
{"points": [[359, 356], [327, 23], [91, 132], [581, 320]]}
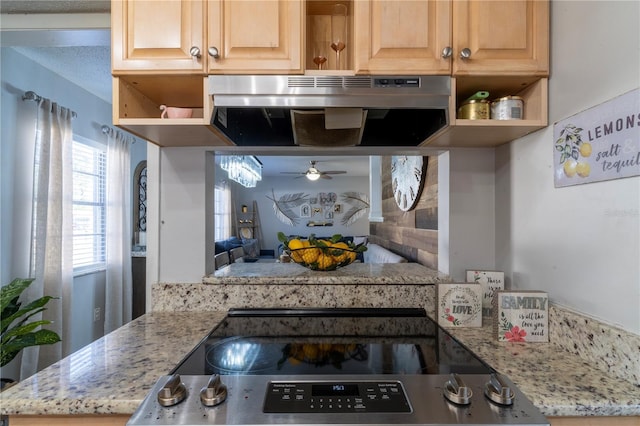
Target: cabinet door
{"points": [[255, 36], [503, 37], [402, 37], [157, 36]]}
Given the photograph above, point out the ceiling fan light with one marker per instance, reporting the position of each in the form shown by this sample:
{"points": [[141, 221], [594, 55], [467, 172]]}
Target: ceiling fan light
{"points": [[313, 174]]}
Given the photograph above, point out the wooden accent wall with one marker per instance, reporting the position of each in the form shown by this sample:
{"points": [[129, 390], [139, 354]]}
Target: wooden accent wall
{"points": [[412, 234]]}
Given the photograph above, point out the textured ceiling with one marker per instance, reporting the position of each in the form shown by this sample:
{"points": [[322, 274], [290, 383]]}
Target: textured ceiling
{"points": [[55, 6], [86, 66]]}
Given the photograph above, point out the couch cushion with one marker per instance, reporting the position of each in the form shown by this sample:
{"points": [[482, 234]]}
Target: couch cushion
{"points": [[379, 254]]}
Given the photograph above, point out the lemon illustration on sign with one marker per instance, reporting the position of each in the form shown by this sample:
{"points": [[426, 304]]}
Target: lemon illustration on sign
{"points": [[583, 169], [585, 149], [570, 167]]}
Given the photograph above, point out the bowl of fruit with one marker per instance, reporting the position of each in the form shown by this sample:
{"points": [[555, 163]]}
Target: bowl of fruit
{"points": [[321, 254]]}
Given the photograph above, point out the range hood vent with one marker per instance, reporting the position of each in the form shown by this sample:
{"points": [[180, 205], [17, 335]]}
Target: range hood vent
{"points": [[396, 110]]}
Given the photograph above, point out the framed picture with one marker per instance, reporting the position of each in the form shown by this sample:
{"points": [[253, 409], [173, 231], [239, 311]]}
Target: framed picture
{"points": [[317, 210], [305, 210], [328, 214], [313, 200], [337, 208]]}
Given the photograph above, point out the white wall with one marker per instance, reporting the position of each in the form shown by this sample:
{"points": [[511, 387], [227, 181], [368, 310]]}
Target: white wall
{"points": [[183, 222], [579, 243], [472, 210]]}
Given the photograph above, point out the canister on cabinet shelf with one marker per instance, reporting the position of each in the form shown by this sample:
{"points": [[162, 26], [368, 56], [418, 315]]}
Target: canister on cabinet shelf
{"points": [[507, 108], [475, 109]]}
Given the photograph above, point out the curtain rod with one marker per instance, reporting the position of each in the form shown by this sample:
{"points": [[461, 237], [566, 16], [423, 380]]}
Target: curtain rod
{"points": [[33, 96], [105, 129]]}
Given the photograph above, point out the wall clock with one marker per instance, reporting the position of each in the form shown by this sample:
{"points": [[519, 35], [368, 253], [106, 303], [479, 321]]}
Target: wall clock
{"points": [[408, 173]]}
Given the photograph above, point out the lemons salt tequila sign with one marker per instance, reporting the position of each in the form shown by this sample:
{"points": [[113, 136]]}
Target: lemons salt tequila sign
{"points": [[601, 143]]}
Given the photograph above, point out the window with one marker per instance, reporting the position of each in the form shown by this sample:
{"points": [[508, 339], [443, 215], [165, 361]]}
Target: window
{"points": [[222, 212], [89, 210]]}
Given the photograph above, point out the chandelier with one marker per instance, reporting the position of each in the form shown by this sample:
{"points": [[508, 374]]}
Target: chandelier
{"points": [[244, 169]]}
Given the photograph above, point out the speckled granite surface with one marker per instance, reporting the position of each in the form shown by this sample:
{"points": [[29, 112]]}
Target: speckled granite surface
{"points": [[221, 297], [557, 382], [613, 350], [113, 374]]}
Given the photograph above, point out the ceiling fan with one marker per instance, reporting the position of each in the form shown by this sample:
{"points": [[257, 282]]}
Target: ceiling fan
{"points": [[313, 173]]}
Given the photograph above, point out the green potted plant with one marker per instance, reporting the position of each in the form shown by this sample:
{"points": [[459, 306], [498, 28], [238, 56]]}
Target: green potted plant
{"points": [[16, 333]]}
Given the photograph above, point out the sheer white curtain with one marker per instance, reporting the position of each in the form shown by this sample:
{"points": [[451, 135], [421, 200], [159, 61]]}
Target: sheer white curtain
{"points": [[118, 293], [51, 239], [222, 211]]}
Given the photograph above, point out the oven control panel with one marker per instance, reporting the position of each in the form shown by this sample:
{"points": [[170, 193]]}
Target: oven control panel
{"points": [[336, 397]]}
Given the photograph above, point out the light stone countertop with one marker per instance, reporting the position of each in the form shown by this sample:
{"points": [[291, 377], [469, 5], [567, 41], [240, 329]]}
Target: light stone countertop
{"points": [[557, 382], [113, 374], [356, 273]]}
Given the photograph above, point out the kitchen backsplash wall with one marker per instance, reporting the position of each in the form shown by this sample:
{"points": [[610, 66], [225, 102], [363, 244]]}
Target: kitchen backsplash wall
{"points": [[608, 348], [412, 234]]}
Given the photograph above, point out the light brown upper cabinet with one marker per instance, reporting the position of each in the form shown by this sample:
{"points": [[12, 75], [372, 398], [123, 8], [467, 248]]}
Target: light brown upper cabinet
{"points": [[500, 37], [461, 37], [401, 37], [256, 37], [158, 36]]}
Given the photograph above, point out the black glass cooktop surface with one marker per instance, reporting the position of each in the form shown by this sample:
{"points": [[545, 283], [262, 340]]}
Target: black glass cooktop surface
{"points": [[333, 341]]}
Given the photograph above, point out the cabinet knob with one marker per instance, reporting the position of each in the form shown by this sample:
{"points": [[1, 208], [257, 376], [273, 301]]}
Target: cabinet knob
{"points": [[447, 52], [213, 52], [465, 53], [195, 52]]}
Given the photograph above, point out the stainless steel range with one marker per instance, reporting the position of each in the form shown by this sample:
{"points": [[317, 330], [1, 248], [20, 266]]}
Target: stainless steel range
{"points": [[335, 366]]}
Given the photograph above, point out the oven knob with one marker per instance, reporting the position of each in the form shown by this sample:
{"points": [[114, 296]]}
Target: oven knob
{"points": [[173, 392], [498, 390], [456, 391], [214, 393]]}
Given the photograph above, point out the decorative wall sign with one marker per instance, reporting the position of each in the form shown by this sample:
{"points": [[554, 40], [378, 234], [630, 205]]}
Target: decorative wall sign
{"points": [[459, 305], [305, 210], [601, 143], [521, 316], [491, 281]]}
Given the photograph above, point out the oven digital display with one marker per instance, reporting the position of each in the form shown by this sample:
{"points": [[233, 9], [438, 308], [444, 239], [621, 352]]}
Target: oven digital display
{"points": [[335, 389]]}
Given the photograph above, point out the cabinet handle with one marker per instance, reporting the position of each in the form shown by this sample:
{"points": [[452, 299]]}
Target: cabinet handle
{"points": [[213, 52], [447, 52], [195, 52], [465, 53]]}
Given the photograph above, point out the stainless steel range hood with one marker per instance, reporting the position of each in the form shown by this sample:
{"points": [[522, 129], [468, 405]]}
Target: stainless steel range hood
{"points": [[329, 111]]}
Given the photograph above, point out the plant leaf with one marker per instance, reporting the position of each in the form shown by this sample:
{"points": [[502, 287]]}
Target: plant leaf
{"points": [[41, 337], [36, 306], [12, 290]]}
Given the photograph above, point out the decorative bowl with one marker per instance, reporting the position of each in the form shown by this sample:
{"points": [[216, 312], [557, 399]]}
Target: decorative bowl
{"points": [[321, 255]]}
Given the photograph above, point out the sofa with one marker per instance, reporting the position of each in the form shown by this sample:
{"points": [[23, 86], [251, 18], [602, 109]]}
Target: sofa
{"points": [[379, 254]]}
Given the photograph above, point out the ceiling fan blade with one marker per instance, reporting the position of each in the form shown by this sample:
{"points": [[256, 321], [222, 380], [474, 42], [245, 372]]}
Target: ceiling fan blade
{"points": [[334, 172], [325, 176], [292, 173]]}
